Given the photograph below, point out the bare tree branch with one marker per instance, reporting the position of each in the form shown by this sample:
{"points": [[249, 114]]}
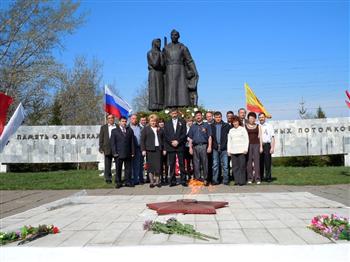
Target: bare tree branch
{"points": [[140, 101], [29, 31]]}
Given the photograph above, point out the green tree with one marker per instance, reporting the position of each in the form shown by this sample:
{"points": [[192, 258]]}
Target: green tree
{"points": [[320, 113], [56, 118]]}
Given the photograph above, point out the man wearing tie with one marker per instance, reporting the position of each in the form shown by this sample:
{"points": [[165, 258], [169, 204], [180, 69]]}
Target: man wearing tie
{"points": [[143, 124], [105, 146], [175, 140], [123, 149]]}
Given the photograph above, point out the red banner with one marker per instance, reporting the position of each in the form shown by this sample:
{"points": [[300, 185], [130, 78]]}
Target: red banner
{"points": [[5, 102]]}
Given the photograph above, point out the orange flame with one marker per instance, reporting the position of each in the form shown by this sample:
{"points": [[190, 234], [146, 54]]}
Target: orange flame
{"points": [[197, 186]]}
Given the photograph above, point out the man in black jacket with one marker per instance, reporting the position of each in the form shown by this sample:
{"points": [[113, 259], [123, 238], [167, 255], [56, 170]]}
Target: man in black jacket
{"points": [[105, 146], [174, 144], [219, 131], [123, 149]]}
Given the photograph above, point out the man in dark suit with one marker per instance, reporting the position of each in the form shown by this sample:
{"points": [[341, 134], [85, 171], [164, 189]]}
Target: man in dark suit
{"points": [[142, 124], [229, 117], [123, 149], [242, 116], [105, 146], [175, 140], [219, 131]]}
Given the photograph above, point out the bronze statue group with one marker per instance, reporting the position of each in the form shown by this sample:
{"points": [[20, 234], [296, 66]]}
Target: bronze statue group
{"points": [[201, 147], [198, 148], [173, 76]]}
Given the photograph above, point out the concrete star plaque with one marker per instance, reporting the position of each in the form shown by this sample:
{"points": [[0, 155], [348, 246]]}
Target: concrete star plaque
{"points": [[187, 206]]}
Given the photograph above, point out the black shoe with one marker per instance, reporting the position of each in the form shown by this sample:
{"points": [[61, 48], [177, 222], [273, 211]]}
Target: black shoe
{"points": [[172, 184], [215, 183], [227, 183], [151, 185], [159, 185], [206, 183], [109, 182], [118, 186], [184, 184]]}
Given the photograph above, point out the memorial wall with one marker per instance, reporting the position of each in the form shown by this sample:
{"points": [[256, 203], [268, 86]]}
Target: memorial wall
{"points": [[58, 144]]}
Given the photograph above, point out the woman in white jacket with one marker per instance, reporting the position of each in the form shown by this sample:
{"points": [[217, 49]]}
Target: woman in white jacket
{"points": [[237, 147]]}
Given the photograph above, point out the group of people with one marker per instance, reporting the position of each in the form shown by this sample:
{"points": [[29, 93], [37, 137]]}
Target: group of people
{"points": [[200, 148]]}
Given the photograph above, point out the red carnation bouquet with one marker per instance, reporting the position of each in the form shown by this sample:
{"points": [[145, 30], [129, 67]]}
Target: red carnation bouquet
{"points": [[27, 234]]}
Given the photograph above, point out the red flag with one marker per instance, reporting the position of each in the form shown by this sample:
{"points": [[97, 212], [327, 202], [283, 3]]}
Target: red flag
{"points": [[348, 103], [253, 103], [348, 95], [5, 102]]}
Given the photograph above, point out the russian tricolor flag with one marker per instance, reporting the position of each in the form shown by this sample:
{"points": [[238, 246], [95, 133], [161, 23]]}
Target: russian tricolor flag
{"points": [[115, 105]]}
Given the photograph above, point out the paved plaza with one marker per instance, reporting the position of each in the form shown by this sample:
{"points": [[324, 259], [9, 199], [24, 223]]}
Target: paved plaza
{"points": [[116, 220], [107, 224], [16, 201]]}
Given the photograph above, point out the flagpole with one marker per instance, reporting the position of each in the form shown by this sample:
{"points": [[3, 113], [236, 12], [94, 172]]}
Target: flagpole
{"points": [[12, 125], [104, 97]]}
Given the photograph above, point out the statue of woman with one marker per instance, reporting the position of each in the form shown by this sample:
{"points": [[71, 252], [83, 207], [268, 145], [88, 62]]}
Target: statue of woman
{"points": [[155, 77]]}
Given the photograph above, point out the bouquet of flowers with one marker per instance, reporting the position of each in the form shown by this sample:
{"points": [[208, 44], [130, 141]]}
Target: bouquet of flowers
{"points": [[27, 234], [332, 227], [172, 226]]}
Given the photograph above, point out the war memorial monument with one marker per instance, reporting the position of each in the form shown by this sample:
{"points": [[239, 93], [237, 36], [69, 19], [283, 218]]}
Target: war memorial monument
{"points": [[274, 219]]}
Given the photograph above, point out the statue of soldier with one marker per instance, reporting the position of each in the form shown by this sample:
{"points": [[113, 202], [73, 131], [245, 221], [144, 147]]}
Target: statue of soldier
{"points": [[181, 76], [155, 77]]}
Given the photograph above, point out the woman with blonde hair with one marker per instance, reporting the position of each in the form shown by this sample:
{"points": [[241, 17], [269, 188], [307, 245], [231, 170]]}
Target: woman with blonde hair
{"points": [[152, 148]]}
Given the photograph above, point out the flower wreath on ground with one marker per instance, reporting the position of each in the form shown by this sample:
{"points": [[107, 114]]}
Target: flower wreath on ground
{"points": [[333, 226], [27, 234], [173, 226]]}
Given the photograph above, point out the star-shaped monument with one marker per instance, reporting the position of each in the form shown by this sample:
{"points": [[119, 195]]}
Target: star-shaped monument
{"points": [[187, 206]]}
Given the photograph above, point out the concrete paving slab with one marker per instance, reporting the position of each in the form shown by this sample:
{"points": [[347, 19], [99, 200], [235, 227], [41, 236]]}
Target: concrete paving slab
{"points": [[117, 220], [259, 236]]}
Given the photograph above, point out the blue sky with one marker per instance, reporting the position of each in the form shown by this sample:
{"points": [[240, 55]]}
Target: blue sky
{"points": [[284, 50]]}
